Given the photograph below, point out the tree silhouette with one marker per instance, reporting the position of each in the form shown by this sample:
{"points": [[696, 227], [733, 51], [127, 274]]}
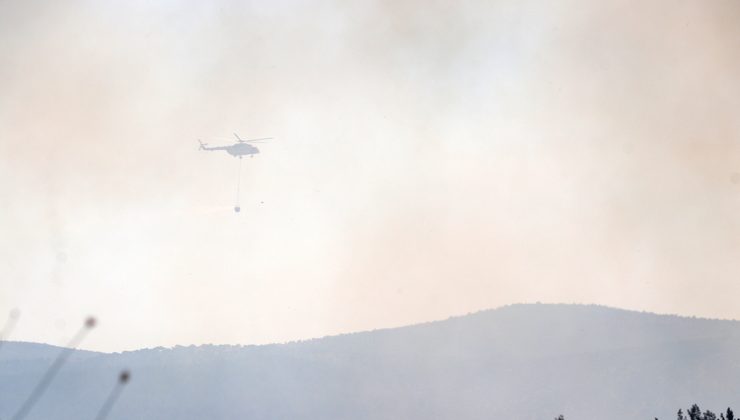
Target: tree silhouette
{"points": [[694, 412]]}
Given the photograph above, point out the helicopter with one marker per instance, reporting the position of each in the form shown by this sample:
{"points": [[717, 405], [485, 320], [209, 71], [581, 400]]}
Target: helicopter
{"points": [[239, 149]]}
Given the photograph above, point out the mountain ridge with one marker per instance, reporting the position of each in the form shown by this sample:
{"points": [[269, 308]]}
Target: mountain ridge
{"points": [[400, 327], [526, 361]]}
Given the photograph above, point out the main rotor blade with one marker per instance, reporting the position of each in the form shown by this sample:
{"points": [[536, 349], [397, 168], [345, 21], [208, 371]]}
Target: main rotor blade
{"points": [[255, 140], [237, 137]]}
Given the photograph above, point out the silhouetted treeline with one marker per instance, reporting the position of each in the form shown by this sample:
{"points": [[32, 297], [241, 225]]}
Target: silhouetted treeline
{"points": [[693, 413]]}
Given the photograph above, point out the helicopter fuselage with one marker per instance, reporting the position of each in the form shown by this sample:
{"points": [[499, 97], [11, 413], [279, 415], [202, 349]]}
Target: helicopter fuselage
{"points": [[242, 149], [236, 149]]}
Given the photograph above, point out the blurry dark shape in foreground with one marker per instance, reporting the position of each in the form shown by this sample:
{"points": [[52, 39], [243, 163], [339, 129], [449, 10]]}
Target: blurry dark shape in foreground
{"points": [[9, 325], [53, 369], [123, 379]]}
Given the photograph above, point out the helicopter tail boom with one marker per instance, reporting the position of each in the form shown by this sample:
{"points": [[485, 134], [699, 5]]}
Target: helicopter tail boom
{"points": [[204, 146]]}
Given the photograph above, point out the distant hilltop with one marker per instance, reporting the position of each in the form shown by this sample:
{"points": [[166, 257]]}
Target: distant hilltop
{"points": [[524, 361]]}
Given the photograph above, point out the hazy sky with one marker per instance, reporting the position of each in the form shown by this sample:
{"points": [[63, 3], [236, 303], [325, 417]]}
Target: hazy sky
{"points": [[430, 159]]}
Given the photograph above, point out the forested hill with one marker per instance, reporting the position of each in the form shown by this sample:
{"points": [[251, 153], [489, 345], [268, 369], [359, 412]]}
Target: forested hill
{"points": [[516, 362]]}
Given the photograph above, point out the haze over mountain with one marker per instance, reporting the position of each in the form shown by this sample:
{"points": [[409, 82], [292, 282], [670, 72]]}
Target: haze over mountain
{"points": [[429, 158], [524, 362]]}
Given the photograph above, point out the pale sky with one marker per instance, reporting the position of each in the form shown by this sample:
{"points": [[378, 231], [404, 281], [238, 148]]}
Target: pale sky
{"points": [[430, 159]]}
